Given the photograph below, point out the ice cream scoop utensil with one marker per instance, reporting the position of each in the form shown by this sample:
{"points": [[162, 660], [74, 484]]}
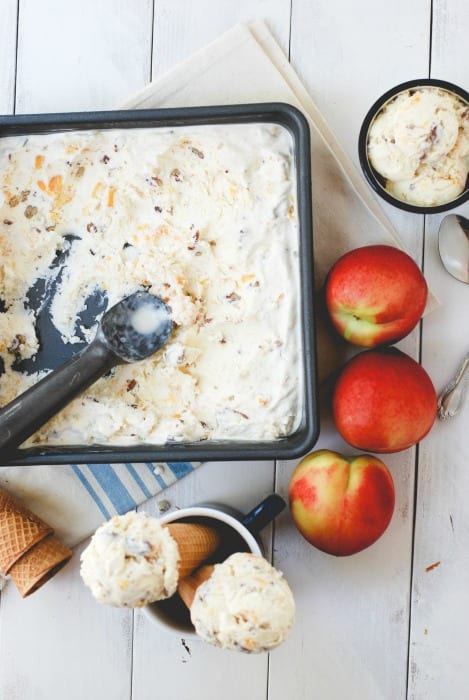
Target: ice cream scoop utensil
{"points": [[132, 330], [452, 397], [453, 245]]}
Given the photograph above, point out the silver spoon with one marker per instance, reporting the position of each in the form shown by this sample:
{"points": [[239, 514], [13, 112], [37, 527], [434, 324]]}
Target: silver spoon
{"points": [[453, 245], [451, 399], [132, 330]]}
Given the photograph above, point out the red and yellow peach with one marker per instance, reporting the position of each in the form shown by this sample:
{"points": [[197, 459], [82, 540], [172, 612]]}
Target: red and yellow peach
{"points": [[339, 504]]}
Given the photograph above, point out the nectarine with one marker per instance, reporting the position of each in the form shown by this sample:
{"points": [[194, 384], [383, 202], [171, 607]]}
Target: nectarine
{"points": [[341, 505], [375, 295], [383, 401]]}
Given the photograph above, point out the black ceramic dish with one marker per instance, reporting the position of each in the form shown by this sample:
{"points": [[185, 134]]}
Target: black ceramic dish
{"points": [[376, 181], [295, 445]]}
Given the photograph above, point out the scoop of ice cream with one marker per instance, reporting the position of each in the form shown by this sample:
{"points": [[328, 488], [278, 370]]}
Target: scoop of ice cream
{"points": [[131, 560], [384, 154], [419, 143], [417, 126], [432, 185], [461, 148], [245, 605]]}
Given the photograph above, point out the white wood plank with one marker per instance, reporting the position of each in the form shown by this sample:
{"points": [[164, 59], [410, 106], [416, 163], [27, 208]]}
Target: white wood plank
{"points": [[348, 55], [352, 631], [182, 27], [59, 643], [81, 55], [169, 664], [440, 596], [8, 14]]}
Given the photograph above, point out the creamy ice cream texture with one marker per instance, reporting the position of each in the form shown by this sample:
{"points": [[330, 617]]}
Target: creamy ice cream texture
{"points": [[133, 560], [419, 143], [245, 605], [204, 217]]}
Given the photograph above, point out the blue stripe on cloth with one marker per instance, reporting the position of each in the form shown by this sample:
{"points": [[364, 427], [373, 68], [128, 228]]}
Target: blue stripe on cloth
{"points": [[90, 490], [159, 479], [113, 487], [133, 472], [180, 469]]}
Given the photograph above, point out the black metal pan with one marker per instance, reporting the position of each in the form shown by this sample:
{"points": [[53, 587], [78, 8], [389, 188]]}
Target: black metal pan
{"points": [[53, 351]]}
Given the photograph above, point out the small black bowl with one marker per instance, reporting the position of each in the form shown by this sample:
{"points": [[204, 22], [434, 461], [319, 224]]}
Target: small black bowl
{"points": [[377, 181]]}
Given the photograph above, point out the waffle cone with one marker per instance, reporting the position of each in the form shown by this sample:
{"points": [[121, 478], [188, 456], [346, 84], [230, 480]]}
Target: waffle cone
{"points": [[189, 585], [39, 564], [195, 543], [20, 530]]}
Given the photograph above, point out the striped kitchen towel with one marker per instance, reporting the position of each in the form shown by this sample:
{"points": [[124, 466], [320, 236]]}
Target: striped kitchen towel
{"points": [[75, 499]]}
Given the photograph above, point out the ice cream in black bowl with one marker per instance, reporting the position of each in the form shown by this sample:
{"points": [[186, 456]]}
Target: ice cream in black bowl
{"points": [[414, 146]]}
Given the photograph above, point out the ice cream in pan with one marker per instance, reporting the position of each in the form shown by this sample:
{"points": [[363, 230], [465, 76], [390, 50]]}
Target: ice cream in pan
{"points": [[243, 604], [133, 559], [200, 215]]}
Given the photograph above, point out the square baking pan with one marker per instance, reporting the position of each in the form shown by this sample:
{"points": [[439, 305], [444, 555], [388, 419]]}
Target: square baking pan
{"points": [[303, 439]]}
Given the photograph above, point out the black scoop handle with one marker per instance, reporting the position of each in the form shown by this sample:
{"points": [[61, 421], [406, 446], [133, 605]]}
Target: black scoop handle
{"points": [[29, 411]]}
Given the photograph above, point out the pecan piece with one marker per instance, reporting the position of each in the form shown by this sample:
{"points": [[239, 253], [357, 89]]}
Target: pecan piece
{"points": [[16, 343], [30, 211]]}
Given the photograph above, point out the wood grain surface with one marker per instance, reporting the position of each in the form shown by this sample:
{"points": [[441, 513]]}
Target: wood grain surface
{"points": [[387, 624]]}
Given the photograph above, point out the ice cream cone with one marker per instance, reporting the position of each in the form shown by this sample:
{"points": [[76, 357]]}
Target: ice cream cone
{"points": [[29, 551], [189, 585], [20, 529], [195, 543], [39, 564]]}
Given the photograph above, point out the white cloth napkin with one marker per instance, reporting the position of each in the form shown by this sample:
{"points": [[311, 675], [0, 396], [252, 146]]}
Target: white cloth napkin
{"points": [[244, 65]]}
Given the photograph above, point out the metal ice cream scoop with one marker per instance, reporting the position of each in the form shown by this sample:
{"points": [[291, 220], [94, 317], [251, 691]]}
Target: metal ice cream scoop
{"points": [[132, 330], [453, 245]]}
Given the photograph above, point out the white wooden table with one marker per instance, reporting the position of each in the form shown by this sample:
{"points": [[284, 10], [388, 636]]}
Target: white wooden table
{"points": [[388, 623]]}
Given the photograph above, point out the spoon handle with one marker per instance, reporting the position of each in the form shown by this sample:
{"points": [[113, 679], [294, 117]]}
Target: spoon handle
{"points": [[29, 411], [452, 397]]}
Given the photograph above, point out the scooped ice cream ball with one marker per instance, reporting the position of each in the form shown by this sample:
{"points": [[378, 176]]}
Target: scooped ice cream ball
{"points": [[131, 560], [246, 605]]}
